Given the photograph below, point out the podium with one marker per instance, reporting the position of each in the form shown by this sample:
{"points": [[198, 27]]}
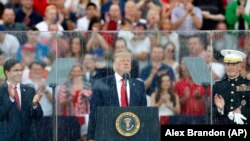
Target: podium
{"points": [[127, 124]]}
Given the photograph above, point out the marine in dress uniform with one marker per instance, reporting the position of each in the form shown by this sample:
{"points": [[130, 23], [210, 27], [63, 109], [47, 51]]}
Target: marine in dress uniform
{"points": [[231, 95]]}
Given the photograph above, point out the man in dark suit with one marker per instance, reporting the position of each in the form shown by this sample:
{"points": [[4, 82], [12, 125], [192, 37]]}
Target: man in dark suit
{"points": [[19, 105], [108, 91], [231, 95]]}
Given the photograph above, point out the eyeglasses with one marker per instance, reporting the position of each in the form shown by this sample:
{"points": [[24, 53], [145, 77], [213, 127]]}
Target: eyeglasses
{"points": [[171, 51]]}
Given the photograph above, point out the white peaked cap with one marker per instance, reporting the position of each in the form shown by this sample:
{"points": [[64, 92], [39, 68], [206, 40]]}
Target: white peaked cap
{"points": [[233, 56]]}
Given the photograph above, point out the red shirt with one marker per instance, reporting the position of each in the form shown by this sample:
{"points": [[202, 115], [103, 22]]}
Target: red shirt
{"points": [[192, 106], [40, 6]]}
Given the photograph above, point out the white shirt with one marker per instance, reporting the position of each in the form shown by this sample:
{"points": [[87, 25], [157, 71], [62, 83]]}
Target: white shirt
{"points": [[138, 47], [44, 28], [119, 84], [9, 46], [18, 91], [218, 69], [82, 24], [45, 103], [4, 2]]}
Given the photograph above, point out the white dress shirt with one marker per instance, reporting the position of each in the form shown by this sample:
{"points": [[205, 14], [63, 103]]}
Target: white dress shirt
{"points": [[18, 91], [118, 79]]}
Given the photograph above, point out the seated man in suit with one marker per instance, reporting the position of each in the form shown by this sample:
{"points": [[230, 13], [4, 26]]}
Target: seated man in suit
{"points": [[111, 90], [19, 105]]}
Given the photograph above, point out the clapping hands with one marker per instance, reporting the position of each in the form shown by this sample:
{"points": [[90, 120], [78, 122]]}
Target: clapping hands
{"points": [[37, 98], [219, 102], [11, 90]]}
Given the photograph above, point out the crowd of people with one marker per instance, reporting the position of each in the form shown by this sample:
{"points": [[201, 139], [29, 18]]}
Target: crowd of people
{"points": [[158, 34]]}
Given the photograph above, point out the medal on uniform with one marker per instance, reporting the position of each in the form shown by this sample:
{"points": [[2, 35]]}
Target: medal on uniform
{"points": [[243, 102]]}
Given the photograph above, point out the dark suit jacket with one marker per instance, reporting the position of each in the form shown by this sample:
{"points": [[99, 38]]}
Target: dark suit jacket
{"points": [[17, 125], [105, 94]]}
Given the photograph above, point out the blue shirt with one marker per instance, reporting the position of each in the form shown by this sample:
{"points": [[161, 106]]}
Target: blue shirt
{"points": [[105, 7], [34, 17], [41, 51], [187, 24], [146, 72]]}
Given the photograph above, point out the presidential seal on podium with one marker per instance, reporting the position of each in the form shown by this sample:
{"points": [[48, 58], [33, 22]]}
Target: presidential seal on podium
{"points": [[127, 124]]}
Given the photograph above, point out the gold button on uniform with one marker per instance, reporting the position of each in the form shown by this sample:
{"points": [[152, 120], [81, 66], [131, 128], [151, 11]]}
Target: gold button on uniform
{"points": [[232, 100], [243, 96], [231, 108], [232, 84], [232, 92]]}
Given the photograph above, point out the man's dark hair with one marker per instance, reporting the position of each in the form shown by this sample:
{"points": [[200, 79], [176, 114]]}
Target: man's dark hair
{"points": [[91, 4], [8, 64], [140, 24], [37, 63], [33, 28], [202, 38], [1, 9], [10, 7]]}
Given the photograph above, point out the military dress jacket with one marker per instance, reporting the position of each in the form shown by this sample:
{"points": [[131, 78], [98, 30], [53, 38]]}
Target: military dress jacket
{"points": [[236, 93]]}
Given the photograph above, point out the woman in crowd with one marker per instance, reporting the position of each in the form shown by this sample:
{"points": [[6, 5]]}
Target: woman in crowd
{"points": [[165, 98], [73, 97]]}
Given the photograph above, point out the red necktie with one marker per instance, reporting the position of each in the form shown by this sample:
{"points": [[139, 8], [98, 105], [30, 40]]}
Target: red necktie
{"points": [[124, 101], [17, 99]]}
